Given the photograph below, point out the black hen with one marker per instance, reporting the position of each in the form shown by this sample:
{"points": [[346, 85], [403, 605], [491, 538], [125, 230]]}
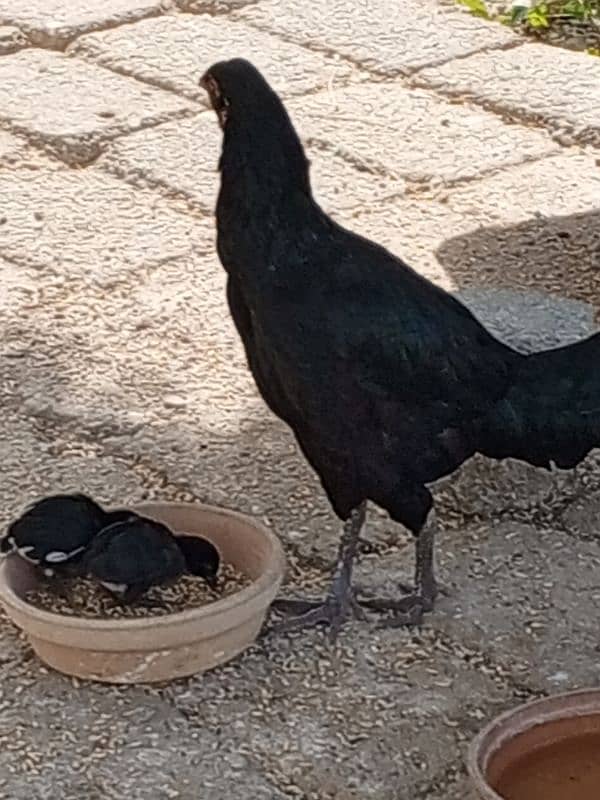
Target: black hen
{"points": [[387, 381], [55, 531], [130, 557]]}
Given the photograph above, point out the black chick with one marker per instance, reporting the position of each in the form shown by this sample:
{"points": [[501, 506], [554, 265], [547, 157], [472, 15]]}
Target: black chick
{"points": [[201, 557], [130, 557], [54, 532], [387, 381]]}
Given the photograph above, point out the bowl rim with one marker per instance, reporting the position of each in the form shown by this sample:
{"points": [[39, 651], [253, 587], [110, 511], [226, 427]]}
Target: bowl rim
{"points": [[272, 576], [557, 711]]}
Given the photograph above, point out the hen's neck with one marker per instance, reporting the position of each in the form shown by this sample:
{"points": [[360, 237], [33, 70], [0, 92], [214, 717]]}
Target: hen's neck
{"points": [[267, 156], [265, 200]]}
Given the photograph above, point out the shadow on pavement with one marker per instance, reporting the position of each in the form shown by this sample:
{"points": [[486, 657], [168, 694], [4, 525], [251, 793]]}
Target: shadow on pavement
{"points": [[560, 255]]}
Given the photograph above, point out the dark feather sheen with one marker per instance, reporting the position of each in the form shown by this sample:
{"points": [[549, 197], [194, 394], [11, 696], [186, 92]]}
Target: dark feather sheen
{"points": [[139, 552], [387, 381], [59, 523]]}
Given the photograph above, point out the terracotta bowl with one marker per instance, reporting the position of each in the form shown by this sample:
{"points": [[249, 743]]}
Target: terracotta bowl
{"points": [[540, 723], [158, 648]]}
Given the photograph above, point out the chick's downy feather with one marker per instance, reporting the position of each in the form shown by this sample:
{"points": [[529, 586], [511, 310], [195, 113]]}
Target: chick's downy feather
{"points": [[56, 529], [134, 555]]}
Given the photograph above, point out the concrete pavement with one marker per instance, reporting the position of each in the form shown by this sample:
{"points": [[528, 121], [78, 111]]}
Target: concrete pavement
{"points": [[466, 149]]}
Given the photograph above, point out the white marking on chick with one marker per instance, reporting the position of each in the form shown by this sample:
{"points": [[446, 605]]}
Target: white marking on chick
{"points": [[117, 588]]}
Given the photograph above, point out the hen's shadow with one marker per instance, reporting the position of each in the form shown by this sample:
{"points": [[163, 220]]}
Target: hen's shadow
{"points": [[559, 255]]}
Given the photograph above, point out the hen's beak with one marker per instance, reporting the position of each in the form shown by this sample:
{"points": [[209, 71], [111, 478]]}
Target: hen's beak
{"points": [[217, 101]]}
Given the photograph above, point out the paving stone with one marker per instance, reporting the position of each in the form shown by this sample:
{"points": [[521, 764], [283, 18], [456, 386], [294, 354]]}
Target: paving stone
{"points": [[101, 105], [377, 717], [379, 125], [530, 321], [16, 152], [493, 490], [534, 226], [174, 51], [161, 330], [558, 87], [170, 156], [460, 790], [213, 6], [391, 36], [87, 225], [18, 288], [12, 148], [40, 462], [519, 597], [11, 39], [53, 23], [527, 597], [103, 740], [582, 517]]}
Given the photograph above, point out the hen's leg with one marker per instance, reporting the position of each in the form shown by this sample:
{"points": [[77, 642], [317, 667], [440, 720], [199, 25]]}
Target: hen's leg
{"points": [[409, 610], [340, 602]]}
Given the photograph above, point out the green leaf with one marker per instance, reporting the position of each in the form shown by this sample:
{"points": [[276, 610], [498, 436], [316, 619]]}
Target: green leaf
{"points": [[582, 10], [518, 14], [593, 51], [537, 17], [574, 8], [476, 7]]}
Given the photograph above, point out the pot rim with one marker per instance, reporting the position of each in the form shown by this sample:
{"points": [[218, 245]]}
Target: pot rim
{"points": [[492, 733], [246, 597]]}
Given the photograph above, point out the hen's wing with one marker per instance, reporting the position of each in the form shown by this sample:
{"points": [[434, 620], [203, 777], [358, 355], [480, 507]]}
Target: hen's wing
{"points": [[370, 326], [425, 357]]}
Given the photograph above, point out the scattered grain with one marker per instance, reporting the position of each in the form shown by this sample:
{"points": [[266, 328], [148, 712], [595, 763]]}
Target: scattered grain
{"points": [[82, 597]]}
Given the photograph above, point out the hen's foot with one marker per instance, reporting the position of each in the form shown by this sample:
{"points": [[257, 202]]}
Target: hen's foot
{"points": [[408, 610], [333, 611]]}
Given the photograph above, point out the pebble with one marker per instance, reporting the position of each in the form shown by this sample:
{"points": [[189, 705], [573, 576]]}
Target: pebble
{"points": [[174, 401]]}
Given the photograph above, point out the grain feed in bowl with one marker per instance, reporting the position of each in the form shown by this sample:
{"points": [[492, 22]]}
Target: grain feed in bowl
{"points": [[81, 597]]}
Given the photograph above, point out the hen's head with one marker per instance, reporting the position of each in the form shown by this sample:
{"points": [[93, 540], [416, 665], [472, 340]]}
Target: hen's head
{"points": [[257, 128], [235, 87]]}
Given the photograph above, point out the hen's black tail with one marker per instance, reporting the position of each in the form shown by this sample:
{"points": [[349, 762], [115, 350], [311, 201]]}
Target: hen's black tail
{"points": [[551, 412]]}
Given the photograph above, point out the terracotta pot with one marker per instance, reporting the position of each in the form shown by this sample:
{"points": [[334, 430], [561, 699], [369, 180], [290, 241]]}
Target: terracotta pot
{"points": [[524, 729], [158, 648]]}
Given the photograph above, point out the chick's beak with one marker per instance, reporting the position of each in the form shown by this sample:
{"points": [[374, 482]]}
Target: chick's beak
{"points": [[212, 581]]}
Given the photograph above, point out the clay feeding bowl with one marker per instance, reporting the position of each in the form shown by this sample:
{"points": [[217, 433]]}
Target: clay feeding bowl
{"points": [[544, 750], [158, 648]]}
